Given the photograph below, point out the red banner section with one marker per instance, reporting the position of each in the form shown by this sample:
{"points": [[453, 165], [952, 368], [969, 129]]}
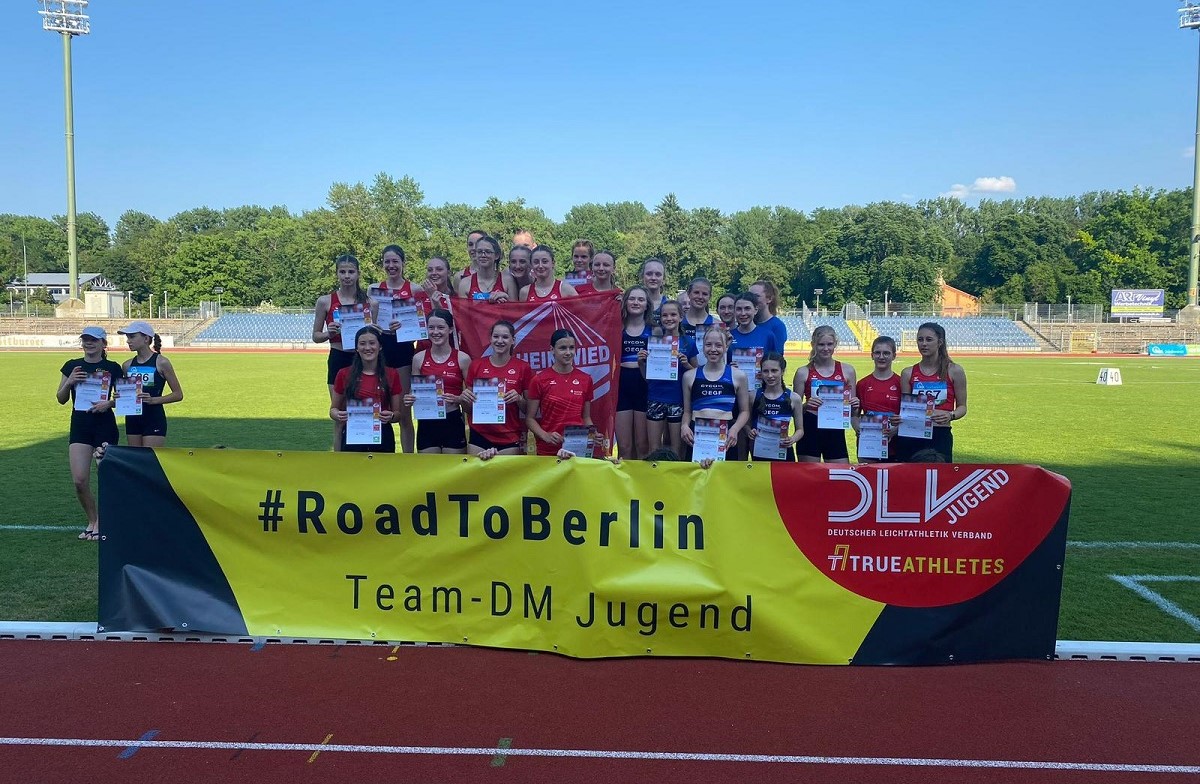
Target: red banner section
{"points": [[919, 535], [594, 319]]}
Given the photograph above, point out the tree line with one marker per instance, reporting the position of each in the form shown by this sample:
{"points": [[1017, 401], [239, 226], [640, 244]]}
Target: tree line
{"points": [[1040, 249]]}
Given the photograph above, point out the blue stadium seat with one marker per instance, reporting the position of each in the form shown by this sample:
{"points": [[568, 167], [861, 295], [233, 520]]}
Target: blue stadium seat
{"points": [[252, 328], [974, 333]]}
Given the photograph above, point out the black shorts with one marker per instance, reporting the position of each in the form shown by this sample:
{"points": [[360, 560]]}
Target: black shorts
{"points": [[668, 412], [942, 442], [94, 429], [448, 433], [397, 354], [824, 444], [387, 442], [631, 390], [152, 422], [476, 439], [337, 360]]}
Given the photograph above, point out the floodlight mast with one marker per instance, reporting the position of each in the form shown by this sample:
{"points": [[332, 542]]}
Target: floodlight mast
{"points": [[1189, 19], [67, 18]]}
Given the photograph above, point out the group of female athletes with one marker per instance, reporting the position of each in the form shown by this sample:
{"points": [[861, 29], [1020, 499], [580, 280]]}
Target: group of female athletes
{"points": [[650, 413]]}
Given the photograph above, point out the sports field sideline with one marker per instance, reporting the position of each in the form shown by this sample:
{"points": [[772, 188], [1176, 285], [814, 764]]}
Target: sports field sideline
{"points": [[1133, 568]]}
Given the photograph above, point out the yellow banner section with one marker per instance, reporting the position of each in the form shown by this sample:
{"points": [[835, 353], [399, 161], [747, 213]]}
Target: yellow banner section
{"points": [[580, 557]]}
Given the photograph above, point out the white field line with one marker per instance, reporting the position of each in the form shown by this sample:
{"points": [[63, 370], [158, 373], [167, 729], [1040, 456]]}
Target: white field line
{"points": [[678, 756], [1134, 582]]}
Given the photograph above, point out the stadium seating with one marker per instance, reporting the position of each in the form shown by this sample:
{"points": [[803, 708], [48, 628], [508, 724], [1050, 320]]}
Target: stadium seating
{"points": [[964, 333], [798, 330], [252, 328]]}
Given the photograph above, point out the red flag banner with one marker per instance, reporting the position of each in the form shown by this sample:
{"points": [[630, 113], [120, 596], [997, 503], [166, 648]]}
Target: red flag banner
{"points": [[594, 319]]}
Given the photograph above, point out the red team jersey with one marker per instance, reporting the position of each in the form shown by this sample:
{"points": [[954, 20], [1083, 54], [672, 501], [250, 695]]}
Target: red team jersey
{"points": [[516, 375], [936, 385], [813, 375], [474, 292], [561, 398], [369, 387], [879, 397], [555, 293], [448, 371]]}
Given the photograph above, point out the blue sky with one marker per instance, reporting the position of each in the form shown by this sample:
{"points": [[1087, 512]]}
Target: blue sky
{"points": [[728, 105]]}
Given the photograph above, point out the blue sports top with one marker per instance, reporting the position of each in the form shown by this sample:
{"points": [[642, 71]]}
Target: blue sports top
{"points": [[719, 394]]}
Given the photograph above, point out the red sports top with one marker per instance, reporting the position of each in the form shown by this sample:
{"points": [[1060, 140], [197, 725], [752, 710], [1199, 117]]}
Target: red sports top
{"points": [[561, 398], [943, 388], [516, 375], [590, 288], [879, 397], [369, 387], [449, 371], [555, 293], [814, 375], [474, 292]]}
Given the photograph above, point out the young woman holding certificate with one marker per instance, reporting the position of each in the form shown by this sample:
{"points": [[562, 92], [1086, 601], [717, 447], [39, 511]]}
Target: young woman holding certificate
{"points": [[155, 373], [545, 287], [494, 393], [826, 382], [366, 397], [749, 341], [488, 282], [710, 393], [775, 408], [941, 380], [559, 397], [88, 383], [878, 412], [347, 303], [631, 388], [668, 356], [437, 388], [397, 353]]}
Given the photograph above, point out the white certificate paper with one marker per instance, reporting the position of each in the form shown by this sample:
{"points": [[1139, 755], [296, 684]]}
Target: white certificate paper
{"points": [[352, 318], [662, 364], [428, 393], [92, 390], [411, 316], [747, 360], [363, 425], [488, 408], [766, 443], [382, 299], [872, 436], [579, 439], [916, 416], [709, 437], [834, 412], [128, 403]]}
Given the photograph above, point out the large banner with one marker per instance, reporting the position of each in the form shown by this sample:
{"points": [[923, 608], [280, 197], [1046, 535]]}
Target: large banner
{"points": [[902, 564], [1137, 302], [595, 319]]}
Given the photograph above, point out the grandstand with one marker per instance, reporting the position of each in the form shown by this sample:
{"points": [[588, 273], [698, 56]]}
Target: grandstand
{"points": [[242, 329], [799, 330], [963, 333]]}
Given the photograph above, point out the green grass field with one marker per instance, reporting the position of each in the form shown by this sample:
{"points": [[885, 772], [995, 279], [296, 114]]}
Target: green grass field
{"points": [[1129, 451]]}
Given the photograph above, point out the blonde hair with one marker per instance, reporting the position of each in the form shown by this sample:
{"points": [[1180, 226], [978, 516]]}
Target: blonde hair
{"points": [[816, 335]]}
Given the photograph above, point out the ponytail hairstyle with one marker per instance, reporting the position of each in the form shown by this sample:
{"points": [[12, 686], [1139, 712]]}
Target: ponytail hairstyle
{"points": [[559, 334], [586, 245], [943, 355], [356, 366], [659, 331], [360, 294], [157, 343], [775, 356], [393, 249], [816, 335], [512, 331], [547, 249], [625, 299], [104, 350], [771, 300], [445, 316]]}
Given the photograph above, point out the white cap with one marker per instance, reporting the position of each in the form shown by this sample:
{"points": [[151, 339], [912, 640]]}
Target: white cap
{"points": [[138, 328], [94, 332]]}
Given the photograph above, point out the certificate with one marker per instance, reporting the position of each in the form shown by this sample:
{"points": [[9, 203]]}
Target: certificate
{"points": [[93, 389], [382, 299], [579, 439], [916, 416], [362, 423], [767, 443], [128, 403], [411, 316], [488, 408], [834, 411], [747, 360], [428, 393], [577, 279], [872, 436], [709, 439], [662, 364], [352, 318]]}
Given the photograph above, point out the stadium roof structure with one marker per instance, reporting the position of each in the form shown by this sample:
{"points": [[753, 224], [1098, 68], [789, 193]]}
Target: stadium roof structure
{"points": [[37, 280]]}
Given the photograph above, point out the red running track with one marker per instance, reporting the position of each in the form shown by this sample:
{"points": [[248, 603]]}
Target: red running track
{"points": [[355, 712]]}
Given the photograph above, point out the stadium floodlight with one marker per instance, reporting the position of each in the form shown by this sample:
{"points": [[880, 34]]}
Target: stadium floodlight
{"points": [[1189, 19], [67, 18]]}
